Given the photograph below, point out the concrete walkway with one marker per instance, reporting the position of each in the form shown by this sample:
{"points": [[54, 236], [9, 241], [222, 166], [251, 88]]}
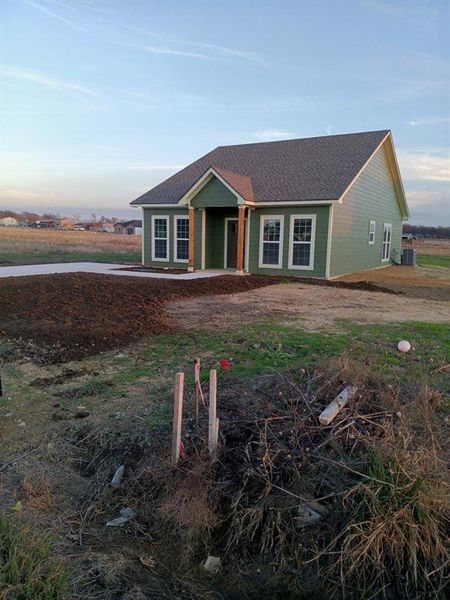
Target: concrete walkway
{"points": [[102, 268]]}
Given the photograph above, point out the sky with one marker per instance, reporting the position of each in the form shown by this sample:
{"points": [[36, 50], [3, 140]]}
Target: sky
{"points": [[103, 99]]}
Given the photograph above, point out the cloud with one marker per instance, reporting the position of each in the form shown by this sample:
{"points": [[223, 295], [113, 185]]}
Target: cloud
{"points": [[155, 167], [107, 32], [425, 166], [429, 207], [430, 121], [26, 196], [272, 135], [170, 51], [65, 87]]}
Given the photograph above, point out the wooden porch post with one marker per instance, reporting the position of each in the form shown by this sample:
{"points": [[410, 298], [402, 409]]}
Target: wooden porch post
{"points": [[191, 262], [241, 241]]}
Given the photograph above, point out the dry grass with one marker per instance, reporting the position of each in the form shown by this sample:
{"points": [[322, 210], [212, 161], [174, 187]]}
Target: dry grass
{"points": [[35, 241], [429, 247]]}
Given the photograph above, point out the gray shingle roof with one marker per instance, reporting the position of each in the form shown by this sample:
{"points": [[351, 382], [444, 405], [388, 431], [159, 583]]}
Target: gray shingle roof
{"points": [[308, 169]]}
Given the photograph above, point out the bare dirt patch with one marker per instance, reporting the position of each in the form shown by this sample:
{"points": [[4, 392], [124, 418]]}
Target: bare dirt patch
{"points": [[430, 283], [59, 317], [312, 306]]}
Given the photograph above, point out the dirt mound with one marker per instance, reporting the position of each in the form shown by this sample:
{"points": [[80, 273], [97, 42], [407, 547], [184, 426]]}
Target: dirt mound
{"points": [[54, 318]]}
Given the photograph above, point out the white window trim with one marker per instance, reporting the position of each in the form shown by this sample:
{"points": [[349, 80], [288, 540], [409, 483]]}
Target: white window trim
{"points": [[309, 267], [374, 223], [263, 218], [166, 217], [175, 238], [386, 226]]}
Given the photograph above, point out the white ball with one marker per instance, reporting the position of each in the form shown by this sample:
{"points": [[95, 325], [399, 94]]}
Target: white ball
{"points": [[404, 346]]}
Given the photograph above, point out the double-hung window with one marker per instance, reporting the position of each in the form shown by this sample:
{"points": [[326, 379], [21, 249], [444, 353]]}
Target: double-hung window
{"points": [[386, 247], [160, 238], [181, 239], [301, 242], [372, 229], [271, 241]]}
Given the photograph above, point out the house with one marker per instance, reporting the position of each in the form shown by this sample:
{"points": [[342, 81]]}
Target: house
{"points": [[9, 222], [133, 227], [107, 227], [67, 223], [46, 224], [315, 207]]}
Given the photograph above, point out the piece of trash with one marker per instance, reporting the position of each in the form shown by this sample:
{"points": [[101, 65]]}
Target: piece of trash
{"points": [[126, 514], [404, 346], [148, 561], [212, 564], [338, 403], [309, 514], [22, 424], [224, 363], [17, 506], [117, 479]]}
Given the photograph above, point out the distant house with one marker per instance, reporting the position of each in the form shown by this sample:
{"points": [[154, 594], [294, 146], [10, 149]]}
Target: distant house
{"points": [[92, 226], [133, 227], [67, 223], [9, 222], [46, 224], [107, 227], [314, 207]]}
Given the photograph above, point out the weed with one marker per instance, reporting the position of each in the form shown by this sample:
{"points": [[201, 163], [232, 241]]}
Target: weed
{"points": [[27, 570]]}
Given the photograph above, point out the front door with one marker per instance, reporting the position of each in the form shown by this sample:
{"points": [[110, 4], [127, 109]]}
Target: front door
{"points": [[232, 238]]}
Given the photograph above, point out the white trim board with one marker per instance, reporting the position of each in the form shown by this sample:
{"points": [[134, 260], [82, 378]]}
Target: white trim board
{"points": [[200, 183], [329, 240], [261, 265], [153, 217], [309, 267], [175, 238]]}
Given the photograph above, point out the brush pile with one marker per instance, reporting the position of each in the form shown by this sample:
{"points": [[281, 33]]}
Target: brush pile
{"points": [[295, 509]]}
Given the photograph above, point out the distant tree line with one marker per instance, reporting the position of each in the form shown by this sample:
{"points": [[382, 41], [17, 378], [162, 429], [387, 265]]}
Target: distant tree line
{"points": [[33, 217], [427, 231]]}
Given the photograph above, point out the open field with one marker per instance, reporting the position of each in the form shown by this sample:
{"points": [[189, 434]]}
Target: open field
{"points": [[429, 247], [88, 370], [31, 246]]}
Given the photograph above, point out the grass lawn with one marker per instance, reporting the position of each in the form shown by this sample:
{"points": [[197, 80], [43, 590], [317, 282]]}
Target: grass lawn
{"points": [[434, 261]]}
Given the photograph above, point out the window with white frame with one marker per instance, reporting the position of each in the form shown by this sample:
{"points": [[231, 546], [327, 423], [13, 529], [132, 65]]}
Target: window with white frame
{"points": [[302, 236], [271, 241], [372, 229], [386, 247], [160, 238], [181, 239]]}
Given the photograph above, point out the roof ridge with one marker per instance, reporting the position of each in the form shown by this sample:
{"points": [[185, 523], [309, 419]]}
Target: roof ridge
{"points": [[314, 137]]}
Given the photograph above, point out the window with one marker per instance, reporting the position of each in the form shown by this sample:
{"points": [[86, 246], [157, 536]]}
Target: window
{"points": [[130, 231], [372, 228], [160, 230], [386, 248], [271, 241], [181, 239], [302, 236]]}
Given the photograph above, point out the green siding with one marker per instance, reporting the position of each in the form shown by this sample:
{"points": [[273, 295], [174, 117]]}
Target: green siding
{"points": [[215, 236], [214, 194], [372, 197], [320, 250]]}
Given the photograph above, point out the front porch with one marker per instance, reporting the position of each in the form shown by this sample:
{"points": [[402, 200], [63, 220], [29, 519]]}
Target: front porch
{"points": [[223, 234]]}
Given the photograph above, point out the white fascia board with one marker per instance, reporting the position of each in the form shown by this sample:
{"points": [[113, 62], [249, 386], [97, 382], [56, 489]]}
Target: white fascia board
{"points": [[200, 183]]}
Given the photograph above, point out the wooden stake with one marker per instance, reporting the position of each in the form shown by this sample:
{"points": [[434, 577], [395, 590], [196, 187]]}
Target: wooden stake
{"points": [[213, 429], [338, 403], [177, 417]]}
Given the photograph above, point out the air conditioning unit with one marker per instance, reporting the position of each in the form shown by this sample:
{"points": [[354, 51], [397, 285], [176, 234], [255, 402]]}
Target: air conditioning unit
{"points": [[409, 257]]}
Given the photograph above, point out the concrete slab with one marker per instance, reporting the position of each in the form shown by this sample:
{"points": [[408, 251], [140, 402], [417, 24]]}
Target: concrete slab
{"points": [[102, 268]]}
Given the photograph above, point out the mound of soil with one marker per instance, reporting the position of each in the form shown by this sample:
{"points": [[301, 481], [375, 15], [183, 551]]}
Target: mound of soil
{"points": [[54, 318]]}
